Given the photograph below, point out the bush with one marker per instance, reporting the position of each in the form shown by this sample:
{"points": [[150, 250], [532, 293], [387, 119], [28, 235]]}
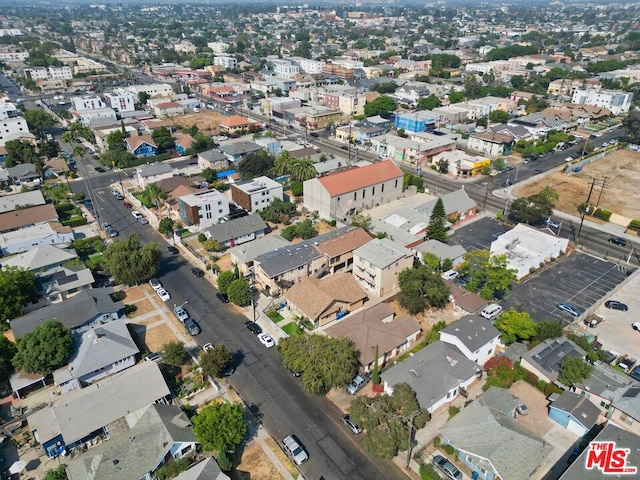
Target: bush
{"points": [[129, 309], [296, 188], [453, 411], [531, 378], [449, 449], [74, 222], [541, 385], [551, 388], [64, 207], [333, 223], [427, 472], [417, 182], [602, 214], [202, 238], [634, 225]]}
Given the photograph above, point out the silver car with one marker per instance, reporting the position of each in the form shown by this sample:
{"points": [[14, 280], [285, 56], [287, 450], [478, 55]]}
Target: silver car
{"points": [[446, 467], [294, 449]]}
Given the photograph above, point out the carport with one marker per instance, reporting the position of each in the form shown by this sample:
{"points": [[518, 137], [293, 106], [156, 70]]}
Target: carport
{"points": [[19, 381]]}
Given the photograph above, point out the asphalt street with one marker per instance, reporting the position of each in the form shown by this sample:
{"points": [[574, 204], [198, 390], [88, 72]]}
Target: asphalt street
{"points": [[273, 394]]}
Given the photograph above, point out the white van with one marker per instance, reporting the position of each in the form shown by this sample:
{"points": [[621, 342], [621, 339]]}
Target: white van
{"points": [[491, 311], [450, 274]]}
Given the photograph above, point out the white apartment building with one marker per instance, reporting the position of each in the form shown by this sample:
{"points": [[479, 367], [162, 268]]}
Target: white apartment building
{"points": [[205, 208], [34, 74], [87, 102], [284, 68], [63, 73], [86, 65], [12, 128], [185, 46], [121, 100], [310, 66], [257, 194], [218, 47], [225, 62], [615, 100], [14, 56], [153, 90], [348, 63], [8, 110]]}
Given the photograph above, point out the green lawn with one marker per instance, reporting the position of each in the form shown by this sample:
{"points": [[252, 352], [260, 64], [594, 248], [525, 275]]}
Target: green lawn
{"points": [[292, 329], [275, 316]]}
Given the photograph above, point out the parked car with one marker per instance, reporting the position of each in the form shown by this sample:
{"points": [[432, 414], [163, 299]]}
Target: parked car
{"points": [[127, 205], [635, 373], [537, 171], [163, 294], [570, 309], [506, 183], [357, 383], [155, 284], [180, 313], [616, 305], [100, 169], [266, 340], [222, 297], [617, 241], [143, 221], [192, 327], [351, 425], [153, 357], [522, 409], [207, 346], [636, 326], [253, 327], [137, 214], [197, 272], [446, 467], [293, 447], [172, 250]]}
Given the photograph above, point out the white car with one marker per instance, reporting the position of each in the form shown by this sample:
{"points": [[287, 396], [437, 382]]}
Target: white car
{"points": [[266, 340], [568, 159], [155, 284], [207, 346], [137, 214], [163, 294]]}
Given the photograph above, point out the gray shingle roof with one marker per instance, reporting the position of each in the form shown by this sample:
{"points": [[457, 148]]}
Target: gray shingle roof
{"points": [[238, 227], [204, 470], [137, 450], [473, 331], [481, 429], [432, 372], [239, 148], [213, 156], [9, 203], [585, 412], [153, 169], [39, 257], [549, 354], [382, 252], [74, 312], [247, 252]]}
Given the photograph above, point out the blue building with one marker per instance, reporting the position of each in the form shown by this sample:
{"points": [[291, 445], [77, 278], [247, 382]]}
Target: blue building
{"points": [[574, 412], [142, 146], [417, 121]]}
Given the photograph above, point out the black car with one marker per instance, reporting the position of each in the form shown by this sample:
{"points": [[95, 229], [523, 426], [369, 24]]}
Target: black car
{"points": [[197, 272], [222, 297], [506, 183], [537, 171], [616, 305], [100, 169], [617, 241], [344, 147], [253, 327], [172, 250]]}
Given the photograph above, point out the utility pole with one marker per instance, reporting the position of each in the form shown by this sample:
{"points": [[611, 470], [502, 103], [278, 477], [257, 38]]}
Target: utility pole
{"points": [[605, 181], [409, 420], [486, 194], [584, 210]]}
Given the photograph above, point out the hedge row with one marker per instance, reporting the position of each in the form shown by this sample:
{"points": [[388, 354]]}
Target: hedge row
{"points": [[602, 214], [634, 225], [74, 222]]}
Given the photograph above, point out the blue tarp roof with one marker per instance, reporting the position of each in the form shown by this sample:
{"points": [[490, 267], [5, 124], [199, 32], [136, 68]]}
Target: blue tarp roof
{"points": [[225, 174]]}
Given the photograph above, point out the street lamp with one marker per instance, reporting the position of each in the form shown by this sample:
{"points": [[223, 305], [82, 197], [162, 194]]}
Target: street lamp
{"points": [[181, 305]]}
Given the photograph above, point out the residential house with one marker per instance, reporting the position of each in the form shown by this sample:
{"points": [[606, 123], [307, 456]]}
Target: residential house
{"points": [[257, 194], [213, 159], [461, 164], [235, 151], [377, 327], [141, 146], [463, 300], [544, 359], [207, 469], [440, 250], [167, 109], [491, 144], [338, 250], [492, 443], [88, 307], [23, 173], [99, 352], [243, 255], [377, 264], [324, 300], [10, 203], [28, 238], [203, 208], [474, 336], [27, 217], [55, 168], [574, 412], [580, 469], [84, 417], [152, 173], [237, 231], [518, 132], [527, 248], [343, 194], [40, 259], [236, 123], [438, 373], [183, 142]]}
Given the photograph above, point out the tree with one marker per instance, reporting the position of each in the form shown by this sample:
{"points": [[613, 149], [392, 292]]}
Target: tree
{"points": [[326, 362], [297, 188], [277, 210], [632, 124], [533, 210], [38, 120], [174, 353], [420, 288], [220, 427], [499, 116], [115, 140], [514, 325], [255, 164], [79, 152], [59, 473], [382, 106], [306, 230], [574, 370], [224, 280], [130, 262], [162, 137], [499, 163], [45, 349], [548, 329], [517, 81], [17, 286], [166, 226], [302, 170], [239, 292], [49, 148], [436, 229], [7, 351], [488, 275], [154, 194], [143, 97], [282, 163], [361, 220], [442, 166], [428, 103], [383, 420], [456, 97], [18, 151], [215, 360]]}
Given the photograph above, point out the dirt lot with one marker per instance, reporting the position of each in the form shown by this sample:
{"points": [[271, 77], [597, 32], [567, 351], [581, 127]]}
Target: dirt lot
{"points": [[537, 420], [153, 338], [207, 122], [622, 168], [255, 465]]}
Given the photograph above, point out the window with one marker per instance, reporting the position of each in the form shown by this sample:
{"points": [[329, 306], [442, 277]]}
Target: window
{"points": [[382, 188], [363, 193], [626, 419], [355, 196], [373, 190], [396, 183]]}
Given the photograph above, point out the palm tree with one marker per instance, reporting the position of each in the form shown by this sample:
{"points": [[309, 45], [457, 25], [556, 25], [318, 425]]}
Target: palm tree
{"points": [[302, 170], [155, 194], [79, 152], [283, 163], [68, 137]]}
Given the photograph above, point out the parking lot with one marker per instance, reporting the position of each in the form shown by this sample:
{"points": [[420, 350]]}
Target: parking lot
{"points": [[478, 234], [615, 333], [578, 279]]}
